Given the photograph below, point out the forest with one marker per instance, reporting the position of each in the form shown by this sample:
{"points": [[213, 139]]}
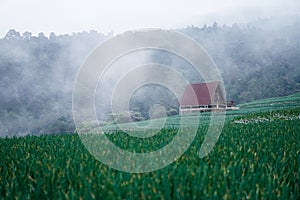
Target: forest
{"points": [[257, 60]]}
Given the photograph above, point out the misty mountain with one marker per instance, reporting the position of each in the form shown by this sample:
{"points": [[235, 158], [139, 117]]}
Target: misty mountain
{"points": [[256, 60]]}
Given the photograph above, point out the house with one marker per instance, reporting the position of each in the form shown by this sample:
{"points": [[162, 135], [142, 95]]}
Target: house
{"points": [[200, 97]]}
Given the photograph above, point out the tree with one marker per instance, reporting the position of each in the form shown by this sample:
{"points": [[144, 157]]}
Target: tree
{"points": [[215, 26], [27, 35], [52, 36], [42, 36], [12, 34]]}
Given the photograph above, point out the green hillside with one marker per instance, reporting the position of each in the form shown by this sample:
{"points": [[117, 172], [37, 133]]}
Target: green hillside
{"points": [[256, 157], [278, 103], [269, 106]]}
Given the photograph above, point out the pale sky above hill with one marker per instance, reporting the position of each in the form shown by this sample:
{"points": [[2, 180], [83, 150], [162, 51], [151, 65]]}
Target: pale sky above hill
{"points": [[67, 16]]}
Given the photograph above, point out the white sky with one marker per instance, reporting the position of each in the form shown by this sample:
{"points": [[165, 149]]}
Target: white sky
{"points": [[67, 16]]}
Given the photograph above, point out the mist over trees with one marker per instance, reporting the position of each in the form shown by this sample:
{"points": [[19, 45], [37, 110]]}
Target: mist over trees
{"points": [[256, 60], [36, 80]]}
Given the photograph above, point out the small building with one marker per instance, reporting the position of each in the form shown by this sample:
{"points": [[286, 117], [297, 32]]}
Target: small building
{"points": [[200, 97]]}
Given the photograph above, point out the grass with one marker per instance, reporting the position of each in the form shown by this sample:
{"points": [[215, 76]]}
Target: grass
{"points": [[255, 160], [270, 105]]}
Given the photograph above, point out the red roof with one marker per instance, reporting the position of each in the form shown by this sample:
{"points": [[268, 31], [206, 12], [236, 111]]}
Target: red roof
{"points": [[199, 94]]}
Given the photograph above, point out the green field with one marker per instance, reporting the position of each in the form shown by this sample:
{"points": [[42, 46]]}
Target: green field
{"points": [[256, 157]]}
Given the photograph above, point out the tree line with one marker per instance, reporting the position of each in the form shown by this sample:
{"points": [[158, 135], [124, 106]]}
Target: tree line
{"points": [[257, 60]]}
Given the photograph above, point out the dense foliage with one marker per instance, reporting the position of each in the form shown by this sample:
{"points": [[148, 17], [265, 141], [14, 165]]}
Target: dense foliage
{"points": [[259, 160], [257, 60]]}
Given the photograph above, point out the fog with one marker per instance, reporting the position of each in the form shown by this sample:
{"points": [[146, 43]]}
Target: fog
{"points": [[257, 59], [68, 16], [37, 76]]}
